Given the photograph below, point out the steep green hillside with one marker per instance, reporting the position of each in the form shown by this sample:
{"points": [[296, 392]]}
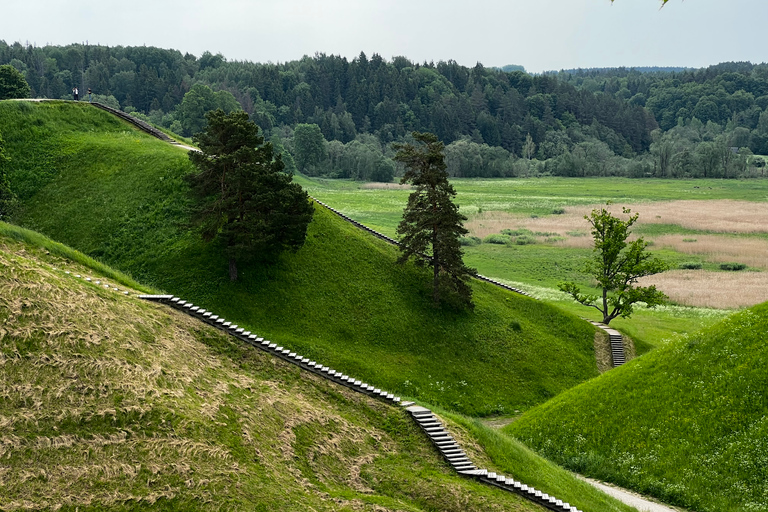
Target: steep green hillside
{"points": [[118, 195], [112, 403], [686, 422]]}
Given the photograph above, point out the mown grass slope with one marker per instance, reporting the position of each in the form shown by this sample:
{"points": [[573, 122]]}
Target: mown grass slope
{"points": [[686, 423], [113, 403], [119, 196]]}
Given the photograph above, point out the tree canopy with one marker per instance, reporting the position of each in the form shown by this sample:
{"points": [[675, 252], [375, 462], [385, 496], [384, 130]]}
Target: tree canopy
{"points": [[12, 84], [240, 194], [432, 224], [616, 266]]}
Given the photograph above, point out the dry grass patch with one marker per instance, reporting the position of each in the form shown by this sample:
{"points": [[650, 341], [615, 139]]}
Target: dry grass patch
{"points": [[491, 222], [722, 290], [721, 216], [385, 186], [750, 251]]}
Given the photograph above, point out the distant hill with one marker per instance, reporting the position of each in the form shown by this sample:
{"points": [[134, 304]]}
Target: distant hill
{"points": [[622, 69], [685, 423], [509, 68], [95, 183]]}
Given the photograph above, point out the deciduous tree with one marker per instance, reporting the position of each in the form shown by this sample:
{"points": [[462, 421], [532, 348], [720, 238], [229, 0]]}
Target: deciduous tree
{"points": [[616, 266], [308, 146], [12, 84], [241, 195], [432, 224]]}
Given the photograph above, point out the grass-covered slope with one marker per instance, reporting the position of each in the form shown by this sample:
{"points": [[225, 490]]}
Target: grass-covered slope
{"points": [[112, 403], [687, 423], [109, 402], [119, 195]]}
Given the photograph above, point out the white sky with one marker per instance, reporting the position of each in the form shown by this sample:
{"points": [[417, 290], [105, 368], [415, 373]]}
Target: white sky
{"points": [[538, 34]]}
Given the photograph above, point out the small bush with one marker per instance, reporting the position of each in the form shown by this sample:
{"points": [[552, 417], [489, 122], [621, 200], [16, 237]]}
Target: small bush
{"points": [[470, 241], [689, 240], [576, 234], [735, 267], [558, 211], [496, 239], [516, 232], [690, 265], [525, 240]]}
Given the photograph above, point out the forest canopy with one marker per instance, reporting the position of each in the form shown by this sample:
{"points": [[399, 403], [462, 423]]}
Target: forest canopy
{"points": [[493, 122]]}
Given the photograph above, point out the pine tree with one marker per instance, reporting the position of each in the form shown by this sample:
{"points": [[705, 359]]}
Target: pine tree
{"points": [[240, 194], [432, 224]]}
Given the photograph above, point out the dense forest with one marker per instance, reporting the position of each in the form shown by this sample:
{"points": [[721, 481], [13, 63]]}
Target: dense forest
{"points": [[338, 117]]}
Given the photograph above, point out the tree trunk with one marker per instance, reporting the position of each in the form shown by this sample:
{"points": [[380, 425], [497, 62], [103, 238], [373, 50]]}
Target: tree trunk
{"points": [[232, 269]]}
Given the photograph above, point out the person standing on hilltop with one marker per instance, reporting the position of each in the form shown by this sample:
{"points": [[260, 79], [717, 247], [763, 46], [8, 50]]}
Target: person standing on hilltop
{"points": [[90, 95], [75, 93]]}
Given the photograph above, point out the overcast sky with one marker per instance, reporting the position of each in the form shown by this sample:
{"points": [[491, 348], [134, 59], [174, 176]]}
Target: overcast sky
{"points": [[538, 34]]}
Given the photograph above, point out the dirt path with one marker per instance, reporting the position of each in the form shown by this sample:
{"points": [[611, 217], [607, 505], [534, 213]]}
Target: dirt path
{"points": [[641, 503]]}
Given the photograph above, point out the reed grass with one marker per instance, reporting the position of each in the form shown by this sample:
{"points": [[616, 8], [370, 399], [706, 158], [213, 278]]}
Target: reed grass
{"points": [[702, 288]]}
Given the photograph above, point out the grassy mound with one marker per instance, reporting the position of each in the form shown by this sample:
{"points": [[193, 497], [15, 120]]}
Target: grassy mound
{"points": [[686, 423], [119, 196], [113, 403]]}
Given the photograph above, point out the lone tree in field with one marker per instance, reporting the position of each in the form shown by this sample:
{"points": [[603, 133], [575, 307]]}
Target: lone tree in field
{"points": [[432, 224], [240, 194], [12, 84], [616, 266]]}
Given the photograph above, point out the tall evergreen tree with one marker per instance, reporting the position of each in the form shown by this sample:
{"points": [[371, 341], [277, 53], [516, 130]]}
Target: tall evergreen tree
{"points": [[432, 224], [241, 195]]}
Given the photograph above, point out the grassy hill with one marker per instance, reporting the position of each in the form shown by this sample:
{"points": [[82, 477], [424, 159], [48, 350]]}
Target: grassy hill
{"points": [[686, 422], [96, 184], [113, 403]]}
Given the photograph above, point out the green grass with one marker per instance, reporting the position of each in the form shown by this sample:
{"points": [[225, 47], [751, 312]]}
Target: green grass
{"points": [[383, 208], [541, 267], [510, 457], [685, 423], [119, 196], [37, 240], [113, 403]]}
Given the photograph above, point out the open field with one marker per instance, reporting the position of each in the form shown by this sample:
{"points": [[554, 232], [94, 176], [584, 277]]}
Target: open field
{"points": [[716, 216], [706, 211], [382, 207], [724, 290]]}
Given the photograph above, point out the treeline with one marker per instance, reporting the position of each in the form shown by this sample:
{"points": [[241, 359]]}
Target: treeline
{"points": [[732, 95], [494, 123], [364, 96]]}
